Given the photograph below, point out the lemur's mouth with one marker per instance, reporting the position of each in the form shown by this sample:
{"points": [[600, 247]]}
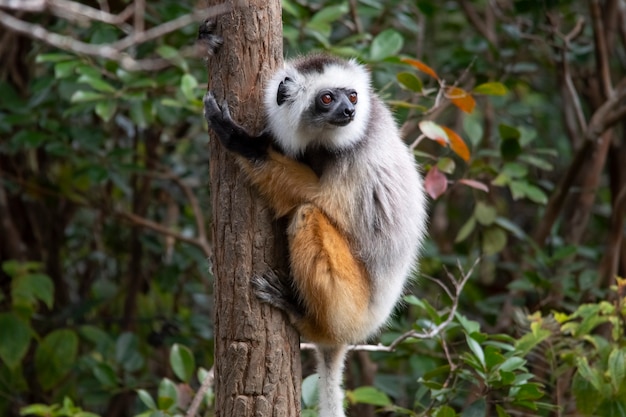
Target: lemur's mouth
{"points": [[343, 121]]}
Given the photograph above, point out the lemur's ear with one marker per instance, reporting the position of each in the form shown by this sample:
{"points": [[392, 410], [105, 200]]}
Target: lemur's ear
{"points": [[281, 95]]}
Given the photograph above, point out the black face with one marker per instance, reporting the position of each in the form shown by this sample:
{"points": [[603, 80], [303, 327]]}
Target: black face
{"points": [[335, 106]]}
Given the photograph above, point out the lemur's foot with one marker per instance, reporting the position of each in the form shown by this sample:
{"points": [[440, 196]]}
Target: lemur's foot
{"points": [[273, 290]]}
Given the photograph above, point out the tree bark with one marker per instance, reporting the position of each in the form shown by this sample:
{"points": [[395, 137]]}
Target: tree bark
{"points": [[257, 358]]}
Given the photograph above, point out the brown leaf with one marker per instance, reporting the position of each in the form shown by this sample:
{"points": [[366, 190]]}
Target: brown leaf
{"points": [[422, 67], [457, 144]]}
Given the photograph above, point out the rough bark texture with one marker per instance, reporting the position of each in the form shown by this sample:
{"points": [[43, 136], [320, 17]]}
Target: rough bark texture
{"points": [[257, 359]]}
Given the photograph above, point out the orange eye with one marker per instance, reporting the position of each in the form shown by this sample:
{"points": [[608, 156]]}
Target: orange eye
{"points": [[326, 98], [352, 97]]}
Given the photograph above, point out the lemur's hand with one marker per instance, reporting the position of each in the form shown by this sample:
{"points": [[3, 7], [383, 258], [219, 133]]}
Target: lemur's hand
{"points": [[234, 137]]}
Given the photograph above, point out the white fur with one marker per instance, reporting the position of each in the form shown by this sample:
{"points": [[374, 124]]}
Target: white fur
{"points": [[285, 121]]}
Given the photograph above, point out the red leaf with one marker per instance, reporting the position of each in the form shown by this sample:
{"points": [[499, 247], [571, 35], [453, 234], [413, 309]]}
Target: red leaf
{"points": [[435, 183], [461, 98], [421, 66], [457, 144], [474, 184]]}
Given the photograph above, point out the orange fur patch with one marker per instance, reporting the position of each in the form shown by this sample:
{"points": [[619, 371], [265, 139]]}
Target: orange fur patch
{"points": [[333, 285]]}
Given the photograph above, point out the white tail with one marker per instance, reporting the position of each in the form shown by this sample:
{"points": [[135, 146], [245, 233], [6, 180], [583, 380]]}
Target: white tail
{"points": [[330, 361]]}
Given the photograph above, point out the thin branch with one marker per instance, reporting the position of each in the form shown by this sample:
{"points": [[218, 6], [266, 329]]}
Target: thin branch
{"points": [[197, 399], [191, 197], [149, 224], [602, 52], [476, 21], [567, 76], [71, 10], [114, 50], [433, 332], [24, 5]]}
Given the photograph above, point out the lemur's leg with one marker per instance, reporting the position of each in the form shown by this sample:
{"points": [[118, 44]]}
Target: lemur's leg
{"points": [[332, 284]]}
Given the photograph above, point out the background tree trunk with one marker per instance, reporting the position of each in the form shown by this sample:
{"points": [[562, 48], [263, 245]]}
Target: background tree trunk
{"points": [[257, 359]]}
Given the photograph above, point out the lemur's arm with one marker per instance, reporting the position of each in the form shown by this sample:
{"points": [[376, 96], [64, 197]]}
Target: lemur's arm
{"points": [[285, 182]]}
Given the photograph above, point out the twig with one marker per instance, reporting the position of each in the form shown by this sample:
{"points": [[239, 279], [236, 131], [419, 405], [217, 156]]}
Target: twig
{"points": [[193, 200], [433, 332], [149, 224], [24, 5], [602, 52], [115, 50], [475, 20], [197, 399]]}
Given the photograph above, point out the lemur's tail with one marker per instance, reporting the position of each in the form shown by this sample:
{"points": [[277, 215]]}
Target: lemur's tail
{"points": [[330, 361]]}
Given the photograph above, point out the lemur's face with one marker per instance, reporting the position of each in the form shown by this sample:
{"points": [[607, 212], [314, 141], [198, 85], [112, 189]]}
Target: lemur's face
{"points": [[335, 106], [330, 106]]}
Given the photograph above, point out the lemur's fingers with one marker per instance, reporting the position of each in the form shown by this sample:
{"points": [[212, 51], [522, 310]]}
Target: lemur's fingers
{"points": [[226, 111], [211, 109]]}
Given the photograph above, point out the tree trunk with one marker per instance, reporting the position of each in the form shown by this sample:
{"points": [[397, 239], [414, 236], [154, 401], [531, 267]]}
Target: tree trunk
{"points": [[257, 358]]}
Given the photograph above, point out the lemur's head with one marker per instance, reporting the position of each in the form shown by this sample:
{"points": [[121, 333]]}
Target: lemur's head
{"points": [[318, 100]]}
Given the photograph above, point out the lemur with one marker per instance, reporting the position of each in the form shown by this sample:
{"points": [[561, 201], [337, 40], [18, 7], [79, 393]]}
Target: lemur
{"points": [[331, 159]]}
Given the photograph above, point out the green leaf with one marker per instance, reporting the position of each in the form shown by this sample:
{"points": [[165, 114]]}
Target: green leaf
{"points": [[146, 399], [446, 165], [188, 85], [54, 57], [614, 407], [617, 368], [105, 109], [55, 356], [508, 132], [476, 349], [329, 14], [167, 395], [494, 240], [387, 43], [485, 214], [512, 364], [410, 81], [65, 69], [587, 398], [477, 409], [470, 326], [591, 375], [105, 374], [445, 411], [369, 395], [493, 357], [96, 83], [310, 392], [42, 410], [127, 352], [510, 149], [27, 289], [182, 362], [514, 170], [15, 335], [82, 96], [465, 230], [529, 391], [491, 89], [521, 189], [501, 412]]}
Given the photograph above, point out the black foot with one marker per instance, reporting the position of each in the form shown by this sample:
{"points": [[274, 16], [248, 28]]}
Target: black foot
{"points": [[273, 290]]}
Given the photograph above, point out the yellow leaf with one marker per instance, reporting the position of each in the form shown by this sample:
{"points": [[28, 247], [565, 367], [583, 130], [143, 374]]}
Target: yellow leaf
{"points": [[461, 98], [457, 144], [421, 66]]}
